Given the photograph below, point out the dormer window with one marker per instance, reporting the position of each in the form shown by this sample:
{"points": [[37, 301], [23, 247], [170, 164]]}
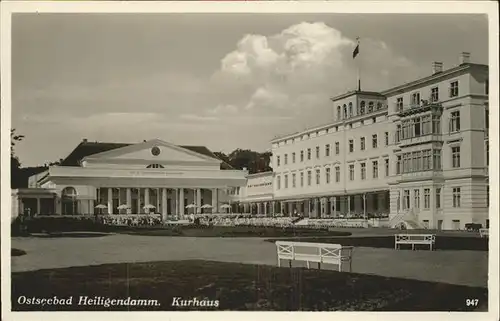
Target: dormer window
{"points": [[362, 107], [154, 166], [350, 109], [370, 107]]}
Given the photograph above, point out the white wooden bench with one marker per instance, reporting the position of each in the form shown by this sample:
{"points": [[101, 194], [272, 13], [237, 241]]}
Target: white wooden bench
{"points": [[315, 252], [429, 239], [484, 232]]}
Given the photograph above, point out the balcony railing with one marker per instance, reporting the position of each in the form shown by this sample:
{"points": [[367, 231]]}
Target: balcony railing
{"points": [[415, 108]]}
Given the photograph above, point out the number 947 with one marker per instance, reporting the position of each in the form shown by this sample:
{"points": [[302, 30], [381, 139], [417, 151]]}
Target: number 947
{"points": [[471, 302]]}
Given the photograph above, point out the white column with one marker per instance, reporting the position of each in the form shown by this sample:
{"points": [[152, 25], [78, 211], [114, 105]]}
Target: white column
{"points": [[164, 204], [215, 207], [364, 206], [198, 200], [181, 203], [129, 200], [316, 208], [110, 201], [146, 197], [349, 204], [38, 205]]}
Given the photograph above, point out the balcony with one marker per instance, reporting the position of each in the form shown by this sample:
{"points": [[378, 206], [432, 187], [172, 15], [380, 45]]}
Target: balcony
{"points": [[419, 140], [418, 108], [417, 176]]}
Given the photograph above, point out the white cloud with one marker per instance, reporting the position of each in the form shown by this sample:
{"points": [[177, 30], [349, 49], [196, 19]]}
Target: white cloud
{"points": [[194, 117], [224, 109], [299, 68]]}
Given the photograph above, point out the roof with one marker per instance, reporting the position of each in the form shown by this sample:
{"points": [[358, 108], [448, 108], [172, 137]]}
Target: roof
{"points": [[85, 149], [432, 77], [357, 92]]}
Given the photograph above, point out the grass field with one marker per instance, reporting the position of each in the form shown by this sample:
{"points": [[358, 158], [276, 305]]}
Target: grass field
{"points": [[239, 287]]}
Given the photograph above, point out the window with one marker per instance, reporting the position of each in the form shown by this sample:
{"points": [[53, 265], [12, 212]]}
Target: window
{"points": [[370, 107], [362, 107], [398, 165], [487, 153], [155, 166], [351, 172], [327, 174], [317, 152], [455, 122], [399, 104], [286, 181], [337, 148], [417, 129], [350, 126], [318, 173], [438, 198], [386, 137], [436, 124], [277, 161], [426, 159], [437, 159], [416, 195], [379, 105], [456, 196], [286, 159], [426, 125], [309, 178], [406, 199], [337, 174], [363, 171], [301, 155], [374, 141], [455, 157], [454, 89], [345, 111], [375, 169], [427, 198], [415, 99], [308, 154], [327, 150], [398, 133], [351, 145], [487, 87], [293, 158], [386, 166], [278, 182], [301, 179], [350, 109], [435, 94], [374, 120], [339, 113], [362, 143]]}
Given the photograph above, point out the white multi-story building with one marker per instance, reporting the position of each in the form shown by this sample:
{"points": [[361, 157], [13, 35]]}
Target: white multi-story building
{"points": [[417, 153]]}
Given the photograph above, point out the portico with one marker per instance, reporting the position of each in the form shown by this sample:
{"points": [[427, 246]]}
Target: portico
{"points": [[149, 177]]}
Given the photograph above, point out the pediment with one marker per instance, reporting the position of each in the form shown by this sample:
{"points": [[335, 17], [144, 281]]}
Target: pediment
{"points": [[154, 151]]}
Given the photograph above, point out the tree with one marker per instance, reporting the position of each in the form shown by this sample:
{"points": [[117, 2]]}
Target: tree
{"points": [[253, 161], [15, 164]]}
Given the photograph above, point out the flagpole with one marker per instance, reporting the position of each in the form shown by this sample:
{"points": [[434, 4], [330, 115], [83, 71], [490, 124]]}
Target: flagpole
{"points": [[359, 69]]}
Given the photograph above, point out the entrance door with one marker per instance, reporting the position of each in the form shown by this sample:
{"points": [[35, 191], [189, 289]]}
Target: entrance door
{"points": [[456, 224], [440, 224]]}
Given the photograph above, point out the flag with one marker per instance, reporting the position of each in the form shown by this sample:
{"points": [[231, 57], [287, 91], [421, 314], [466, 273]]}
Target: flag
{"points": [[356, 50]]}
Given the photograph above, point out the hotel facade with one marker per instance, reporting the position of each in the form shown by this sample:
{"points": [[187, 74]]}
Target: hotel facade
{"points": [[413, 155], [416, 154]]}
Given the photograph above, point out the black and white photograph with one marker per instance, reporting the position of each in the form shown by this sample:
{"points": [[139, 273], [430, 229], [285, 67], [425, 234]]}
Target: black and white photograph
{"points": [[249, 157]]}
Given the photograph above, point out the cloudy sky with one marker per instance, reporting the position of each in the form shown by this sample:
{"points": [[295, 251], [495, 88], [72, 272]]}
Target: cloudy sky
{"points": [[225, 81]]}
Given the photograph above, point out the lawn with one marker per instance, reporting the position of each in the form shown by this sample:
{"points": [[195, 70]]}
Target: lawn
{"points": [[442, 242], [238, 287], [227, 231]]}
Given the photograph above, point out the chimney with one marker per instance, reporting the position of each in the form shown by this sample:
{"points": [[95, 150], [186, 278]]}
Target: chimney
{"points": [[464, 58], [437, 67], [85, 140]]}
